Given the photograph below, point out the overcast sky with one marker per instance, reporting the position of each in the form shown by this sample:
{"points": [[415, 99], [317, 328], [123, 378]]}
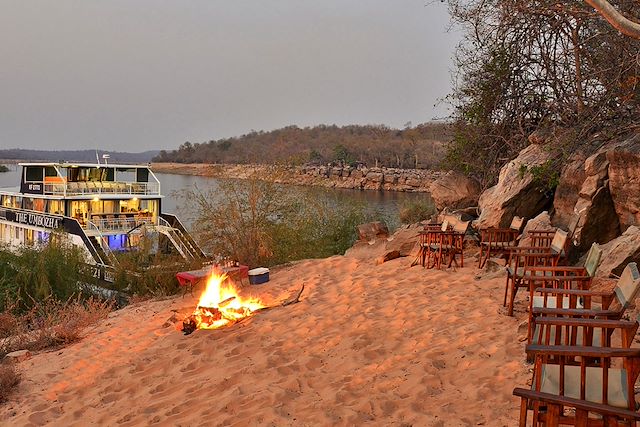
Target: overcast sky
{"points": [[136, 75]]}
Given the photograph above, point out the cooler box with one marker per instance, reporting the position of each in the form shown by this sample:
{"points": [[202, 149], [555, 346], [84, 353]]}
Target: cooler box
{"points": [[258, 275]]}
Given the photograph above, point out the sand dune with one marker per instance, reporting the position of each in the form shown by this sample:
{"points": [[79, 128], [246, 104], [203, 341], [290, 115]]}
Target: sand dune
{"points": [[367, 345]]}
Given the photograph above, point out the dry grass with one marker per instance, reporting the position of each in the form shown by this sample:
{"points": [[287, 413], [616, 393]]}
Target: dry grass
{"points": [[9, 380], [50, 324]]}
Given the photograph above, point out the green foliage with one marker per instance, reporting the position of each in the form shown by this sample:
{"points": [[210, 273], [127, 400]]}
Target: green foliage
{"points": [[3, 168], [262, 224], [416, 210], [546, 175], [31, 274], [342, 154]]}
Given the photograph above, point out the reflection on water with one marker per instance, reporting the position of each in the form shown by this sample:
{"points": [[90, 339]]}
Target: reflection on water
{"points": [[384, 205]]}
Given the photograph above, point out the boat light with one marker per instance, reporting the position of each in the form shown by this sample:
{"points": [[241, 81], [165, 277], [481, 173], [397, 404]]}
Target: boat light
{"points": [[96, 199]]}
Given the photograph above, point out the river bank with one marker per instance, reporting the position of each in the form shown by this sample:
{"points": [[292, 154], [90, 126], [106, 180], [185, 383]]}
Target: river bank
{"points": [[362, 178]]}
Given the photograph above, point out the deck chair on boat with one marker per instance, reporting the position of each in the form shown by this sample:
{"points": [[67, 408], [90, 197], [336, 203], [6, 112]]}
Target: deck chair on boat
{"points": [[522, 259], [498, 241], [581, 385]]}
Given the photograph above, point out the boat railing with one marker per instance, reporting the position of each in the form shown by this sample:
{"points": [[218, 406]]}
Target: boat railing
{"points": [[107, 224], [101, 187]]}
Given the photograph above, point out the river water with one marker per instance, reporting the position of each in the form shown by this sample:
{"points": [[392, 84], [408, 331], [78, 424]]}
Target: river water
{"points": [[383, 205]]}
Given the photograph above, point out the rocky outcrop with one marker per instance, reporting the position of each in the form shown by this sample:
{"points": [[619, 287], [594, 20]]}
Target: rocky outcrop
{"points": [[624, 180], [454, 190], [372, 231], [619, 252], [404, 240], [516, 192], [540, 222], [584, 191]]}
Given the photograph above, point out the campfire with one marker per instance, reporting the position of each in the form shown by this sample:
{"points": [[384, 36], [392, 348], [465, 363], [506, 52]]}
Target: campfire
{"points": [[220, 305]]}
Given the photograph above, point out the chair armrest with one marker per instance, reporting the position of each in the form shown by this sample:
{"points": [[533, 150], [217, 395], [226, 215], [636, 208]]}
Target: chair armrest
{"points": [[597, 408], [535, 278], [530, 249], [579, 292], [559, 268], [541, 232], [575, 312], [575, 350], [592, 323]]}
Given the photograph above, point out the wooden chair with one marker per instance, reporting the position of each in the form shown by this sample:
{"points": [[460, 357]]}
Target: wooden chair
{"points": [[562, 277], [564, 378], [426, 237], [522, 259], [449, 244], [612, 306], [498, 241]]}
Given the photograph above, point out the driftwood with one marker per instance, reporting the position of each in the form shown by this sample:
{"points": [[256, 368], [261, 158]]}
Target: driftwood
{"points": [[189, 324]]}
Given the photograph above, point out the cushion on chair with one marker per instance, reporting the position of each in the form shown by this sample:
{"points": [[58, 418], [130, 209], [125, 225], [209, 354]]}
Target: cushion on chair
{"points": [[617, 392]]}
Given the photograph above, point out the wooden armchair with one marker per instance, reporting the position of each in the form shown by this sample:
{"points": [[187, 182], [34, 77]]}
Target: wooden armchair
{"points": [[559, 383], [522, 259], [560, 277], [449, 244], [427, 236], [498, 241], [612, 306]]}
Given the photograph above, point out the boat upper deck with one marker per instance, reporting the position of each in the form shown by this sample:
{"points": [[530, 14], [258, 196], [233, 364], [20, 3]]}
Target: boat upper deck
{"points": [[86, 179]]}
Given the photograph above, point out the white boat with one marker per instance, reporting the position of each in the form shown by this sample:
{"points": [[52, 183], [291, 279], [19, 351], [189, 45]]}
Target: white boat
{"points": [[102, 208]]}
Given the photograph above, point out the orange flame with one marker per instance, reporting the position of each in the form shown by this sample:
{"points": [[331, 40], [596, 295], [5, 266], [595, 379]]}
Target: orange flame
{"points": [[220, 304]]}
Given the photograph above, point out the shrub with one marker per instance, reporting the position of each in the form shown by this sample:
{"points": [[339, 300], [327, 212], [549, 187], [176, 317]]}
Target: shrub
{"points": [[50, 323], [262, 223], [416, 210], [9, 380]]}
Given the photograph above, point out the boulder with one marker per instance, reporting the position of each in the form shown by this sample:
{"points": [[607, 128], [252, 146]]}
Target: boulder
{"points": [[619, 252], [18, 356], [515, 193], [624, 180], [567, 192], [404, 240], [454, 190], [373, 230], [540, 222]]}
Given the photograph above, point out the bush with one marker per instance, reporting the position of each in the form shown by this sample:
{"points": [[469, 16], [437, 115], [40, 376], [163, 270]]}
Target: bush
{"points": [[50, 323], [262, 223], [3, 168], [36, 273], [416, 210], [9, 380]]}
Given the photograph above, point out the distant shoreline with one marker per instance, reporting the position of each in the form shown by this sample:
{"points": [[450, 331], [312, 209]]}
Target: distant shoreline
{"points": [[380, 179]]}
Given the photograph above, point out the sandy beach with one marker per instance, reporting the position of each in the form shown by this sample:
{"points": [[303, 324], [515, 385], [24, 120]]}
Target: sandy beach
{"points": [[367, 345]]}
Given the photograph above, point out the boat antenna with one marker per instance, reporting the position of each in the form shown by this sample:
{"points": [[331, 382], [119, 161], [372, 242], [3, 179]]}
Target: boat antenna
{"points": [[97, 158]]}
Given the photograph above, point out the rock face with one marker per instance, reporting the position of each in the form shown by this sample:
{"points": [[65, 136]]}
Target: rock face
{"points": [[584, 191], [404, 240], [619, 252], [515, 193], [624, 180], [540, 222], [454, 190]]}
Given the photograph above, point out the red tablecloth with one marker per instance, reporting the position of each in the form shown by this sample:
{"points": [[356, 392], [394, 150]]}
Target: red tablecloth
{"points": [[190, 278]]}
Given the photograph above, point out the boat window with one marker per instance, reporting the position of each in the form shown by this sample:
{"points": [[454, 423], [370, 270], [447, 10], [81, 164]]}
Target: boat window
{"points": [[142, 175], [125, 175], [34, 174], [50, 171]]}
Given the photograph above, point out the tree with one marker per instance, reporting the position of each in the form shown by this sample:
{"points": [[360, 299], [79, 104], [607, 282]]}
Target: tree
{"points": [[615, 18]]}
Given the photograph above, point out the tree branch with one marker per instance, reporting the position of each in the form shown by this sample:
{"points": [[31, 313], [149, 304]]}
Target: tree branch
{"points": [[615, 18]]}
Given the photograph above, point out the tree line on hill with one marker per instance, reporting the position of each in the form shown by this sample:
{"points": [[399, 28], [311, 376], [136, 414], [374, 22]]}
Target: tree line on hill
{"points": [[76, 155], [420, 146]]}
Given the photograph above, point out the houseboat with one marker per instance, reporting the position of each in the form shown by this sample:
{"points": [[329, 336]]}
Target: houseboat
{"points": [[102, 208]]}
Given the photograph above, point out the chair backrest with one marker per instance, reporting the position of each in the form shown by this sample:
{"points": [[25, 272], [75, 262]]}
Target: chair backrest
{"points": [[461, 227], [628, 285], [517, 223], [573, 225], [593, 259], [559, 241], [445, 225]]}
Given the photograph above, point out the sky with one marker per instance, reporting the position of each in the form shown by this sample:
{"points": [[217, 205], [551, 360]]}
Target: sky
{"points": [[136, 75]]}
